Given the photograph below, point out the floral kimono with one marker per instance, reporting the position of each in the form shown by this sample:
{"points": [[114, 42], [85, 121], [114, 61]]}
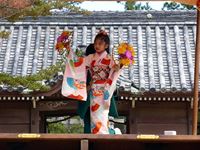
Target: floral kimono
{"points": [[102, 86], [74, 81]]}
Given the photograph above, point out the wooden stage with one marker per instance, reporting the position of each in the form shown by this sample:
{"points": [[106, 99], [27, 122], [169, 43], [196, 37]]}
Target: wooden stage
{"points": [[97, 142]]}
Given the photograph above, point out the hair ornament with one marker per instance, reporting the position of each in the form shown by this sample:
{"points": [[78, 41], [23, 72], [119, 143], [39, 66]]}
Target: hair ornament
{"points": [[103, 32]]}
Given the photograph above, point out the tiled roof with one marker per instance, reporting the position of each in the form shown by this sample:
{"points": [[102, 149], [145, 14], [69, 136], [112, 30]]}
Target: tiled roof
{"points": [[164, 44]]}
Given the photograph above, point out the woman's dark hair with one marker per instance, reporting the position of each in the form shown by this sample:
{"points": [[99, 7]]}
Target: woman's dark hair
{"points": [[90, 50], [102, 35]]}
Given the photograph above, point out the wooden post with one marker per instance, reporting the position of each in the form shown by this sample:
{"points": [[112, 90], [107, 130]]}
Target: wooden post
{"points": [[84, 145], [34, 120], [196, 76]]}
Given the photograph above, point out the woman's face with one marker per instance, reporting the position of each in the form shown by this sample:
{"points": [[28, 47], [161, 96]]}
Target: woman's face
{"points": [[100, 46]]}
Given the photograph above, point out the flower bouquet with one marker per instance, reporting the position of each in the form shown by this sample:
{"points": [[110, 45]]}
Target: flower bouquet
{"points": [[126, 54], [74, 79], [63, 43]]}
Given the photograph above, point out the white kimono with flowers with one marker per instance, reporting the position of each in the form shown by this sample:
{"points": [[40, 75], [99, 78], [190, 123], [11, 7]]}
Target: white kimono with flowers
{"points": [[102, 87]]}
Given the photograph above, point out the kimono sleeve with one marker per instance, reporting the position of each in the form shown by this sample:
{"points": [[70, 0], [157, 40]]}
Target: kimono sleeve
{"points": [[88, 60], [111, 66], [112, 62], [111, 81]]}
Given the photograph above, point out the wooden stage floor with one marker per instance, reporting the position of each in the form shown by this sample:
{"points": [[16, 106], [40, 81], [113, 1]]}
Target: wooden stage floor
{"points": [[97, 142]]}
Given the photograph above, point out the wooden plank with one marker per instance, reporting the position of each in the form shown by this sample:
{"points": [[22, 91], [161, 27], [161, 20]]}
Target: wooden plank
{"points": [[98, 145], [14, 104], [99, 142], [33, 145], [14, 116], [34, 121], [163, 115], [100, 137], [155, 117], [14, 128], [123, 106], [159, 128]]}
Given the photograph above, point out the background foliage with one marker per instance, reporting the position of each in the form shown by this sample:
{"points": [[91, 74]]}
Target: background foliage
{"points": [[63, 127]]}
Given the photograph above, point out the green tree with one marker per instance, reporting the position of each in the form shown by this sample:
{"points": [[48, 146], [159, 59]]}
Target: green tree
{"points": [[59, 126], [132, 5], [177, 6], [13, 10], [56, 128]]}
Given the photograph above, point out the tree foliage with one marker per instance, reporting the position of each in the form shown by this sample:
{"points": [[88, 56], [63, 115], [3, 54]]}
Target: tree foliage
{"points": [[56, 128], [13, 10], [177, 6], [132, 5], [4, 34], [61, 127]]}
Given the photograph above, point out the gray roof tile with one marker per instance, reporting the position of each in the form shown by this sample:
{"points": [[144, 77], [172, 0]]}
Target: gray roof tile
{"points": [[164, 44]]}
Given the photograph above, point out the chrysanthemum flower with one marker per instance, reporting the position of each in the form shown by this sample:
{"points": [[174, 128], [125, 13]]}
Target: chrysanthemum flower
{"points": [[63, 42], [126, 54]]}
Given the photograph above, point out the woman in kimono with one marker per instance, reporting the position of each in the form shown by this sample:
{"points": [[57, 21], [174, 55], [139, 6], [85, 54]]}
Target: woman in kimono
{"points": [[84, 106], [103, 71]]}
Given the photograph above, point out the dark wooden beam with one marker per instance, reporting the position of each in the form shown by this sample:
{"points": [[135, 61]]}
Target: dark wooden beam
{"points": [[98, 142], [71, 137], [188, 94]]}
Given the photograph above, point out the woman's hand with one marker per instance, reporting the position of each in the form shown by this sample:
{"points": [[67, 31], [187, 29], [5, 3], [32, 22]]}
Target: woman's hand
{"points": [[117, 67]]}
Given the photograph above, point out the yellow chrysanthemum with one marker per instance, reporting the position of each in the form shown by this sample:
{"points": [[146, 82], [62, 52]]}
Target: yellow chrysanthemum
{"points": [[126, 50], [133, 53], [121, 50], [59, 46], [130, 48], [66, 33], [125, 62], [124, 45]]}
